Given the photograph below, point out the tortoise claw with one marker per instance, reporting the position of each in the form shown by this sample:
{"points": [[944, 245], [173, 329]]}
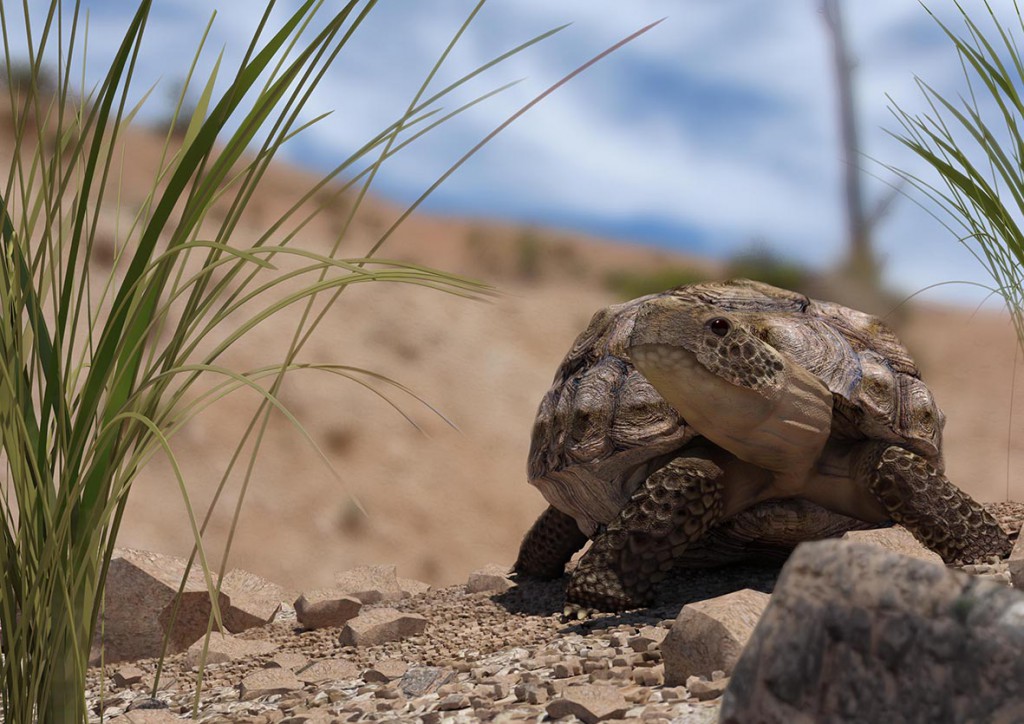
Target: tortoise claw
{"points": [[576, 612]]}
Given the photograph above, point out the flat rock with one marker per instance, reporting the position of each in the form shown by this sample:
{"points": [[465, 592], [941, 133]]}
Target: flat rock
{"points": [[328, 670], [266, 682], [709, 635], [326, 609], [706, 690], [857, 633], [371, 584], [1015, 563], [139, 598], [589, 703], [253, 600], [224, 648], [127, 675], [895, 539], [380, 625], [386, 670], [492, 578]]}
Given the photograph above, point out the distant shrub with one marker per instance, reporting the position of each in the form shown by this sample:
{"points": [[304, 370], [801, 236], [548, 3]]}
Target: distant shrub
{"points": [[21, 76], [630, 284], [763, 265], [528, 252]]}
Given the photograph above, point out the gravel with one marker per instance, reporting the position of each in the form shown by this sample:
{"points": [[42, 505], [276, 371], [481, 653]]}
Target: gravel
{"points": [[483, 656]]}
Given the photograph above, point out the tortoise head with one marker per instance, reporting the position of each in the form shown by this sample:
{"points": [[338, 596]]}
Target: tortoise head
{"points": [[729, 383]]}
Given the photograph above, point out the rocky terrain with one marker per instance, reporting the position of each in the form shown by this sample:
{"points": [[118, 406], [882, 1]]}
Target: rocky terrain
{"points": [[378, 648]]}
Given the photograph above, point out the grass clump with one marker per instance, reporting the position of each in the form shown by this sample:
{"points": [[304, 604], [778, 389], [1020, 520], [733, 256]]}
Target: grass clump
{"points": [[103, 343], [975, 145]]}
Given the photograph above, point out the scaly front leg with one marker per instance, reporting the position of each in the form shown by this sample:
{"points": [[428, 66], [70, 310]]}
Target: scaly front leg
{"points": [[675, 506], [925, 502]]}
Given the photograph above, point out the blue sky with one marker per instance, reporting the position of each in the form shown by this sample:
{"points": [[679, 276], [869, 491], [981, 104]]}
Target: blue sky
{"points": [[713, 131]]}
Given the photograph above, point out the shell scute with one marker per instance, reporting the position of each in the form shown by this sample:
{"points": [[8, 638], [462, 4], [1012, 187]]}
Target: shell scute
{"points": [[602, 428], [641, 414]]}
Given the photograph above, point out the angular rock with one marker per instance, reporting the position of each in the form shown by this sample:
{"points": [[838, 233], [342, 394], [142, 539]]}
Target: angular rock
{"points": [[385, 671], [421, 680], [492, 578], [328, 670], [254, 601], [380, 625], [412, 587], [531, 693], [453, 702], [648, 638], [326, 609], [371, 584], [896, 539], [1015, 563], [266, 682], [127, 675], [224, 648], [706, 690], [589, 703], [570, 666], [854, 632], [709, 635], [138, 602]]}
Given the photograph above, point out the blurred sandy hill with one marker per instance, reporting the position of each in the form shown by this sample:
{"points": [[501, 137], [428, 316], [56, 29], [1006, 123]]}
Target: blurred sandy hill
{"points": [[442, 501]]}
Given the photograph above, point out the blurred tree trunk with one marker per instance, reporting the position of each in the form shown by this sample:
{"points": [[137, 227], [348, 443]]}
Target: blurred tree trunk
{"points": [[860, 262]]}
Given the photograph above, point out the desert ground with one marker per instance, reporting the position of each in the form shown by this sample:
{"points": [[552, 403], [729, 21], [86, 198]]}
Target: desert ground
{"points": [[445, 495]]}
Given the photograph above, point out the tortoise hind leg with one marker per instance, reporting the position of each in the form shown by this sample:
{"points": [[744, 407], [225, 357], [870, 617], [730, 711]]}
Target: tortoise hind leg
{"points": [[675, 506], [548, 545], [925, 502]]}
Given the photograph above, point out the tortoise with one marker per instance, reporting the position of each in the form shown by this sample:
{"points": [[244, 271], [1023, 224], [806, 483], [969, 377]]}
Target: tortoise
{"points": [[721, 420]]}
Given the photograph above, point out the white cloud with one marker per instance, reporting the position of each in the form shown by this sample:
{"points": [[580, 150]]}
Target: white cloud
{"points": [[721, 119]]}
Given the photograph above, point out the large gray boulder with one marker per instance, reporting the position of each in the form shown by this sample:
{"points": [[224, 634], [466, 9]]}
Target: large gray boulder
{"points": [[856, 633]]}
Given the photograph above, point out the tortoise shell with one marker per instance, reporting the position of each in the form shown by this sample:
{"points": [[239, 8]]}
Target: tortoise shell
{"points": [[601, 429]]}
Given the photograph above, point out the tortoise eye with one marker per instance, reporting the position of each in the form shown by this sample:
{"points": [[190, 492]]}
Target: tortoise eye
{"points": [[719, 327]]}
